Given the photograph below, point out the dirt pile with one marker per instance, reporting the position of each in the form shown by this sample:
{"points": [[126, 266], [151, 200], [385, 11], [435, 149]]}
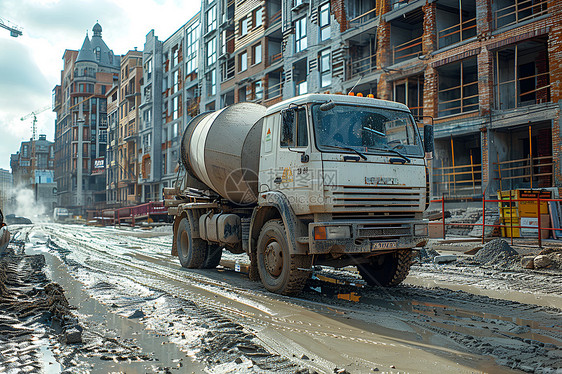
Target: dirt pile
{"points": [[497, 253]]}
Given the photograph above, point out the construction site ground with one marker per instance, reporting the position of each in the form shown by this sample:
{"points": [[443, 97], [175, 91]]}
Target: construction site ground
{"points": [[80, 299]]}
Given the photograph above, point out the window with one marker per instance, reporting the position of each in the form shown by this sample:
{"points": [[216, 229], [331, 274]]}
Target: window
{"points": [[258, 17], [325, 68], [148, 69], [258, 87], [243, 61], [175, 81], [175, 107], [192, 39], [97, 52], [212, 18], [212, 79], [175, 56], [256, 51], [300, 35], [325, 22], [212, 51], [294, 130], [244, 24]]}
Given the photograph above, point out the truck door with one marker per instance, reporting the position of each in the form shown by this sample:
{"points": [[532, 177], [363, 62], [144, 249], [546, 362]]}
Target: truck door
{"points": [[292, 176]]}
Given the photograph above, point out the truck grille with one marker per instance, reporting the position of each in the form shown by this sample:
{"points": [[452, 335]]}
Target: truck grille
{"points": [[378, 201]]}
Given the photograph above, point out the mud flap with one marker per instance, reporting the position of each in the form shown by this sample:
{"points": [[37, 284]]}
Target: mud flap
{"points": [[253, 273], [175, 231]]}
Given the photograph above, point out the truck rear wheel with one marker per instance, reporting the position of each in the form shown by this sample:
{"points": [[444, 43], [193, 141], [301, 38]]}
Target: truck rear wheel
{"points": [[191, 251], [387, 270], [278, 269], [213, 259]]}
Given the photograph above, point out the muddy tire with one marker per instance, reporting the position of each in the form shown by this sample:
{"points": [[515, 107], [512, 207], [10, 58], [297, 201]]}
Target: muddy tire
{"points": [[387, 270], [191, 251], [278, 269], [213, 259]]}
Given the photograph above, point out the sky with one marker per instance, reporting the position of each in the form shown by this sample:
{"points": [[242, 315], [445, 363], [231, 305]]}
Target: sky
{"points": [[30, 64]]}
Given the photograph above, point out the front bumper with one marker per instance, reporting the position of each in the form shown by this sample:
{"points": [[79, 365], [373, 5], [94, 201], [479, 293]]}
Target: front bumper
{"points": [[370, 236]]}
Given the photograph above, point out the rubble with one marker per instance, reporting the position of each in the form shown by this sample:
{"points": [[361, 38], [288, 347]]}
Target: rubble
{"points": [[527, 262], [496, 252], [541, 261]]}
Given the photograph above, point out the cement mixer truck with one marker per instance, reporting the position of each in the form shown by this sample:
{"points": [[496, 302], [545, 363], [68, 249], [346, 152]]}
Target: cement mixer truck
{"points": [[329, 180]]}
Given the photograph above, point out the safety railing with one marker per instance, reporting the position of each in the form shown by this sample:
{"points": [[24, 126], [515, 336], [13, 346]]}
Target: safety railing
{"points": [[462, 103], [363, 18], [458, 180], [410, 49], [530, 171], [276, 18], [521, 97], [274, 91], [360, 66], [274, 58], [457, 33], [507, 227], [520, 11]]}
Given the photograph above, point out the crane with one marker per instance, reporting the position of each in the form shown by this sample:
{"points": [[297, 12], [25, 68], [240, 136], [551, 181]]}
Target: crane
{"points": [[14, 30], [34, 115]]}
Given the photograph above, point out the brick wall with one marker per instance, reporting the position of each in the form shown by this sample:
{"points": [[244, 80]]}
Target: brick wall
{"points": [[338, 10], [429, 37]]}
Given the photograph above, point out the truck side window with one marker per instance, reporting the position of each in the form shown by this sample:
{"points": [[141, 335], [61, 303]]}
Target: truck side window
{"points": [[297, 130]]}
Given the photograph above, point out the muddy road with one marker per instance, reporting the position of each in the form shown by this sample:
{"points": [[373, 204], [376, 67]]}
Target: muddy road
{"points": [[142, 312]]}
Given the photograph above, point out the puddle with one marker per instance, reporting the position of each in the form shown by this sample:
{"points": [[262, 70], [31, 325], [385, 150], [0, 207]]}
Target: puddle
{"points": [[93, 313], [50, 364]]}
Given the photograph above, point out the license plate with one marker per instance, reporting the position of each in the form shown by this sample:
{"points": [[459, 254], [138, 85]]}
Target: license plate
{"points": [[382, 245]]}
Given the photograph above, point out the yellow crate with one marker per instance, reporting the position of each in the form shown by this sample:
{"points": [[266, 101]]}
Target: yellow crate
{"points": [[506, 231]]}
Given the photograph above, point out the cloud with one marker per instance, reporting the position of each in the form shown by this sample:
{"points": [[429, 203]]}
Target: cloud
{"points": [[30, 65]]}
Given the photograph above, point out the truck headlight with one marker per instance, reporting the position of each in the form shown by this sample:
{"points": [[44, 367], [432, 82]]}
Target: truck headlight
{"points": [[331, 232], [420, 229]]}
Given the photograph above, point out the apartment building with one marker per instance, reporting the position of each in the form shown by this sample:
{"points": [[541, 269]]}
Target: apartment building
{"points": [[170, 97], [81, 127], [6, 185], [126, 136], [33, 168], [111, 166], [485, 73]]}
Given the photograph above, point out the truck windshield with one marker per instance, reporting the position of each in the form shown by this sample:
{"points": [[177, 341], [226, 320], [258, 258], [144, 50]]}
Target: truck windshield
{"points": [[366, 129]]}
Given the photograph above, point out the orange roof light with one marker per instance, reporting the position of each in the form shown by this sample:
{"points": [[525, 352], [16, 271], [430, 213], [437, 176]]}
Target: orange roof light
{"points": [[371, 96], [351, 93], [360, 94]]}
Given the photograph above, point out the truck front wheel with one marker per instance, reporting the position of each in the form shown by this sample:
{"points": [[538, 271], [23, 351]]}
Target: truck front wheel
{"points": [[191, 251], [387, 270], [278, 269]]}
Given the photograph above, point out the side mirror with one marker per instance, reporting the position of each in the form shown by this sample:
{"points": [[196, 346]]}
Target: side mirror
{"points": [[428, 138], [329, 105]]}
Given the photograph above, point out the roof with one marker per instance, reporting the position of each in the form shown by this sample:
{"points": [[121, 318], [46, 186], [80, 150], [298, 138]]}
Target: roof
{"points": [[86, 53], [338, 99]]}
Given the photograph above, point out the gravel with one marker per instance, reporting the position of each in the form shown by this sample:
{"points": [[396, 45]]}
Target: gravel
{"points": [[496, 252]]}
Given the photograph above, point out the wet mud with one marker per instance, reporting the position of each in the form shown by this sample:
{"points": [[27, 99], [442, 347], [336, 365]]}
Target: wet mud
{"points": [[219, 321]]}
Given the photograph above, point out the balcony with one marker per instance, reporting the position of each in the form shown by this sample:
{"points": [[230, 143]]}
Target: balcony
{"points": [[509, 12]]}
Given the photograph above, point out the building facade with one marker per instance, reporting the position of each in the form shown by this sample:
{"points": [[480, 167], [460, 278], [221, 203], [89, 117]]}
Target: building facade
{"points": [[81, 126], [33, 168], [6, 185], [483, 72]]}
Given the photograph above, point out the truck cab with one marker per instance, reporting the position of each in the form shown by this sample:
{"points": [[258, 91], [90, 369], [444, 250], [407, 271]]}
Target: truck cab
{"points": [[353, 171]]}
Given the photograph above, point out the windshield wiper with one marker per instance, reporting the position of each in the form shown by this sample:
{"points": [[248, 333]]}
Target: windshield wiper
{"points": [[388, 149], [374, 131], [347, 149]]}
